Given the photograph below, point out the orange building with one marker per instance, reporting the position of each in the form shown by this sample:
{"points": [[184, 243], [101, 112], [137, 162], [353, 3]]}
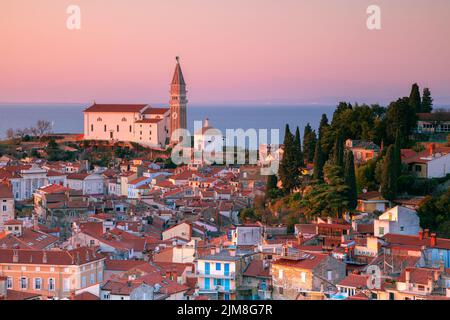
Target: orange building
{"points": [[54, 273]]}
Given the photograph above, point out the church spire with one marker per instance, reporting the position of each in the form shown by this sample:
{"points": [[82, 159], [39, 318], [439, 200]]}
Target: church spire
{"points": [[178, 78]]}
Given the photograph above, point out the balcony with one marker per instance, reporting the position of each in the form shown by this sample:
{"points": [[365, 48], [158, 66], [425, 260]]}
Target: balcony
{"points": [[230, 275]]}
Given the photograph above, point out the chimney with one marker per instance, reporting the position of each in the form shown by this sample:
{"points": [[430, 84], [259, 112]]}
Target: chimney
{"points": [[299, 238], [421, 234], [433, 240], [285, 252], [431, 149], [407, 276], [427, 233], [15, 256]]}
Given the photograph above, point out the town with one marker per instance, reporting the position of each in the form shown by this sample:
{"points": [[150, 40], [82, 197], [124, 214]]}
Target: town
{"points": [[358, 210]]}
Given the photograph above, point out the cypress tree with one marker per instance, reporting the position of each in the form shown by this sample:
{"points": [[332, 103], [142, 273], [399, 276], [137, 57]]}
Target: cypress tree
{"points": [[309, 143], [427, 101], [318, 162], [288, 171], [298, 149], [350, 180], [414, 99], [338, 150], [389, 175]]}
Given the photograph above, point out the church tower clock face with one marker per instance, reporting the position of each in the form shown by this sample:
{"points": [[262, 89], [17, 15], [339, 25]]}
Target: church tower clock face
{"points": [[174, 115]]}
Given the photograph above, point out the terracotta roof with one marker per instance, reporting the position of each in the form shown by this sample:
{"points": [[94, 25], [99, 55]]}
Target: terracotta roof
{"points": [[256, 269], [5, 192], [122, 265], [156, 110], [415, 241], [115, 108], [308, 263], [77, 176], [53, 257], [85, 296], [418, 275], [149, 121], [20, 295], [435, 116], [354, 281]]}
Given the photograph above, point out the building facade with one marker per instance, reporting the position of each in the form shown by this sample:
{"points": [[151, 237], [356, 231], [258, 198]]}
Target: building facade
{"points": [[139, 123]]}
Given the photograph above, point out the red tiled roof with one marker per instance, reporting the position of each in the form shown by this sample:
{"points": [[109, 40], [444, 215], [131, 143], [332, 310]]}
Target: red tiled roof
{"points": [[354, 281], [85, 296], [53, 257], [156, 110], [415, 241], [5, 192], [308, 263], [149, 121], [418, 275], [115, 108], [256, 269]]}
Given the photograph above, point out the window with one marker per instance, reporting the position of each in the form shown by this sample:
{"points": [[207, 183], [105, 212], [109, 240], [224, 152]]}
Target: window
{"points": [[37, 283], [381, 231], [329, 275], [303, 277], [104, 127], [23, 283], [83, 281], [9, 283], [130, 129], [280, 274], [117, 128], [402, 228], [4, 208], [418, 168], [51, 284], [66, 285], [92, 127], [218, 266], [124, 119], [92, 280], [99, 119], [421, 287]]}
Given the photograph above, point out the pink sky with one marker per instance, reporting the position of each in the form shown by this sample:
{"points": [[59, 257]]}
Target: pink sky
{"points": [[294, 51]]}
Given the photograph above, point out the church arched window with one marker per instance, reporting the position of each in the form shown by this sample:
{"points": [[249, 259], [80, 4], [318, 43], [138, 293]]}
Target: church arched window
{"points": [[124, 119], [99, 119]]}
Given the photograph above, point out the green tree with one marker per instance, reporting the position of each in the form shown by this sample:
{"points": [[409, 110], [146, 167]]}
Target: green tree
{"points": [[427, 101], [288, 170], [390, 175], [338, 150], [434, 214], [400, 121], [350, 180], [414, 99], [319, 162], [298, 149], [309, 143]]}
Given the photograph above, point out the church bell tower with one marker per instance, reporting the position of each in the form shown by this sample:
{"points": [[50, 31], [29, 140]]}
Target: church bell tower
{"points": [[178, 102]]}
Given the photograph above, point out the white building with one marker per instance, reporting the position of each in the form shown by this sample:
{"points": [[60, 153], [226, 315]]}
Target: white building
{"points": [[89, 184], [6, 205], [398, 220], [26, 181], [140, 123]]}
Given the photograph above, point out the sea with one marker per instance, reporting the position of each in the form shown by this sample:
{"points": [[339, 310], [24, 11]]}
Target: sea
{"points": [[68, 118]]}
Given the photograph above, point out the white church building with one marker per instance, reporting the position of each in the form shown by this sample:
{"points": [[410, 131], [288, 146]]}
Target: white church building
{"points": [[140, 123]]}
